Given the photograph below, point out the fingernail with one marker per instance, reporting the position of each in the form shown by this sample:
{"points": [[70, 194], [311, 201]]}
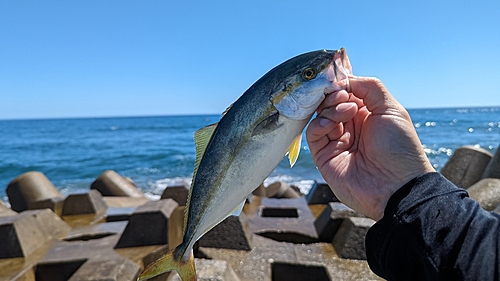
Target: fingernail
{"points": [[324, 122], [343, 107]]}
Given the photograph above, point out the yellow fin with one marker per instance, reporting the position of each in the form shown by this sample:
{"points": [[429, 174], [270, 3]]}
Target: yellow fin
{"points": [[294, 150], [168, 262], [201, 139]]}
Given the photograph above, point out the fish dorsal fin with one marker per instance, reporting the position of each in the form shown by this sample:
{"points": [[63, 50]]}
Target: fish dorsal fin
{"points": [[294, 150], [201, 139], [227, 109]]}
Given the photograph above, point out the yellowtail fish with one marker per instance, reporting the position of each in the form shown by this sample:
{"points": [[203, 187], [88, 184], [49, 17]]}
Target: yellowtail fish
{"points": [[234, 156]]}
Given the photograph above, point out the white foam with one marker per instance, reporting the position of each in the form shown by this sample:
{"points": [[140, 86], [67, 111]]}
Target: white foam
{"points": [[157, 187]]}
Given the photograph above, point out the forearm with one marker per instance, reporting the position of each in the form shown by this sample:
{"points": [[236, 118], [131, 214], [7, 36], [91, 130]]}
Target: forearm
{"points": [[432, 230]]}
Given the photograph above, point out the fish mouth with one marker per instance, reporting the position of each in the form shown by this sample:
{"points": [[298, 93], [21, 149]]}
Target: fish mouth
{"points": [[338, 72]]}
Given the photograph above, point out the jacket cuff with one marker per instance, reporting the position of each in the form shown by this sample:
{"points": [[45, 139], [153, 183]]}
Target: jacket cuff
{"points": [[397, 236]]}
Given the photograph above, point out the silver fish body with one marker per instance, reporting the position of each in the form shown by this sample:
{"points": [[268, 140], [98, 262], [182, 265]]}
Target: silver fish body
{"points": [[250, 140]]}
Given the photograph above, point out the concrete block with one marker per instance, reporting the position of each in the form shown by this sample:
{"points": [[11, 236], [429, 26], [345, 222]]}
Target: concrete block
{"points": [[320, 193], [29, 188], [110, 183], [257, 264], [125, 202], [298, 272], [84, 220], [254, 265], [24, 233], [281, 190], [229, 234], [260, 191], [87, 254], [95, 232], [486, 192], [119, 214], [54, 203], [328, 223], [317, 209], [349, 242], [84, 203], [81, 247], [115, 269], [176, 227], [177, 192], [23, 268], [76, 249], [48, 222], [211, 270], [26, 275], [286, 220], [6, 211], [61, 271], [493, 168], [466, 166], [148, 225]]}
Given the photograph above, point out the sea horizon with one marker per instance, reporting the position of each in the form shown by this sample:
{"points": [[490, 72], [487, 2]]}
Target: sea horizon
{"points": [[210, 114]]}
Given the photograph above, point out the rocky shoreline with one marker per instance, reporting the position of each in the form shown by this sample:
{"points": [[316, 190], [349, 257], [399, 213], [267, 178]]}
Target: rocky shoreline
{"points": [[113, 231]]}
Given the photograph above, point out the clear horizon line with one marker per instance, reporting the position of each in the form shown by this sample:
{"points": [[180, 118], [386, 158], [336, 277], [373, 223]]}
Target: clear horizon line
{"points": [[195, 114]]}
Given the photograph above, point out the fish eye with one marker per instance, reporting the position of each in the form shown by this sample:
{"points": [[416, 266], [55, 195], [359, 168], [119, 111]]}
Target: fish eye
{"points": [[308, 73]]}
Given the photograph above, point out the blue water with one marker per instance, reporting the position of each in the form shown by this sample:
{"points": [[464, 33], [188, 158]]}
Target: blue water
{"points": [[157, 151]]}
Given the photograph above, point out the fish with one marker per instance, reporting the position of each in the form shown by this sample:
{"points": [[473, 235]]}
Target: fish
{"points": [[235, 155]]}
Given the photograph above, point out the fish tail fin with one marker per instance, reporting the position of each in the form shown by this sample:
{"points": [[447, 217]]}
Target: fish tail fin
{"points": [[169, 262]]}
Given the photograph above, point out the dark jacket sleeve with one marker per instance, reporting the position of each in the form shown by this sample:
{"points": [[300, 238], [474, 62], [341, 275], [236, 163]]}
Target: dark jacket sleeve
{"points": [[432, 230]]}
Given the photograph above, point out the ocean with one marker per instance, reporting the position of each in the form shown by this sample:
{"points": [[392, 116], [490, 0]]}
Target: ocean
{"points": [[159, 151]]}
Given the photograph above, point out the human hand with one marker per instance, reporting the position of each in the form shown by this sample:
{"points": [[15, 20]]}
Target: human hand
{"points": [[365, 146]]}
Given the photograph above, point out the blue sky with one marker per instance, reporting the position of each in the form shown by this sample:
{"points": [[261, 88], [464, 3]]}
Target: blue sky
{"points": [[130, 58]]}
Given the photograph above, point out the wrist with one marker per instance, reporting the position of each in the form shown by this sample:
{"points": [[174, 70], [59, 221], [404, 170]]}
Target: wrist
{"points": [[400, 190]]}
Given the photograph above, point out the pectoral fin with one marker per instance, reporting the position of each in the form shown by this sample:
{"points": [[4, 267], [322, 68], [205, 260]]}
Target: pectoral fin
{"points": [[267, 125], [294, 150]]}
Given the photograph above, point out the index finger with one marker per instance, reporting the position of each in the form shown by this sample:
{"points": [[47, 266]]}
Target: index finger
{"points": [[374, 94]]}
